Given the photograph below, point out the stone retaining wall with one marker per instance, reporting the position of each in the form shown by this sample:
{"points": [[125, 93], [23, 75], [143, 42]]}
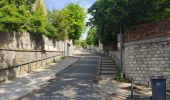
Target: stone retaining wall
{"points": [[146, 58], [115, 56], [26, 52], [147, 51]]}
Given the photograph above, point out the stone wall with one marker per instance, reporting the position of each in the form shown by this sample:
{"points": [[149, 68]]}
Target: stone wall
{"points": [[146, 58], [115, 55], [21, 53], [148, 53]]}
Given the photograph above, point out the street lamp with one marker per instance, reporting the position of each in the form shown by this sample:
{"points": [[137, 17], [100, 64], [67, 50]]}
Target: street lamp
{"points": [[121, 52], [65, 42]]}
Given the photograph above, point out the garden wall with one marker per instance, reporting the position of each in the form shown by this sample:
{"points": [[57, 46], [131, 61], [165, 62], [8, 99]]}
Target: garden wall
{"points": [[115, 55], [147, 52], [21, 53]]}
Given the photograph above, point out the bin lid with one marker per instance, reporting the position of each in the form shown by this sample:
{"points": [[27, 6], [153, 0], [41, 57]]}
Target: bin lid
{"points": [[157, 77]]}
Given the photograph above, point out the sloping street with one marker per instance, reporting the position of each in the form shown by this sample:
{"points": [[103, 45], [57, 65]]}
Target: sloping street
{"points": [[84, 49], [76, 82]]}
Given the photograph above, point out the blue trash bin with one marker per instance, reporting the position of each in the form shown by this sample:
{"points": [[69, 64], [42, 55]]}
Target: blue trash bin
{"points": [[158, 84]]}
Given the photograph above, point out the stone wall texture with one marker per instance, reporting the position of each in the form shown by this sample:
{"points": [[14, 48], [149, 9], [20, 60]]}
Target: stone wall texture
{"points": [[115, 55], [147, 52], [26, 52], [142, 60]]}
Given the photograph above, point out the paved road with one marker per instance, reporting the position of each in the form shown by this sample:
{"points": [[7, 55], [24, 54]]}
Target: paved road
{"points": [[74, 83]]}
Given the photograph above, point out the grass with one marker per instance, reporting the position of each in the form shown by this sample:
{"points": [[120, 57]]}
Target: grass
{"points": [[119, 78], [63, 57]]}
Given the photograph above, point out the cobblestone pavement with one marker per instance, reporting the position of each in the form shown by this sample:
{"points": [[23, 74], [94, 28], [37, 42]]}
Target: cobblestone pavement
{"points": [[75, 83]]}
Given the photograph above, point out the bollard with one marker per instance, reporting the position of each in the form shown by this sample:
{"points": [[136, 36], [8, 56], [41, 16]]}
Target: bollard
{"points": [[158, 84]]}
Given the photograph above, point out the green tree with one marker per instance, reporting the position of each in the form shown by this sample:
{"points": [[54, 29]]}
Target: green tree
{"points": [[102, 20], [109, 15], [92, 37], [39, 23], [143, 11], [25, 15], [14, 14], [83, 44], [76, 17], [69, 21], [60, 21]]}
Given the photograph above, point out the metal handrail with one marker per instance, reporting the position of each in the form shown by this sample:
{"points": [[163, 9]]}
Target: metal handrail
{"points": [[15, 66]]}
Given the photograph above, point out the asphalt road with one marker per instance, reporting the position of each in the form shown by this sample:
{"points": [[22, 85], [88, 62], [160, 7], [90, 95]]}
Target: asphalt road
{"points": [[74, 83]]}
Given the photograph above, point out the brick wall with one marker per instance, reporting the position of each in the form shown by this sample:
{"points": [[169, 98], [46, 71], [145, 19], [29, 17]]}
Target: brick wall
{"points": [[148, 31]]}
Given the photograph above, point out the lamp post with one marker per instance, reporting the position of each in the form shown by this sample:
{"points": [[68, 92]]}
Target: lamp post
{"points": [[121, 52], [65, 44]]}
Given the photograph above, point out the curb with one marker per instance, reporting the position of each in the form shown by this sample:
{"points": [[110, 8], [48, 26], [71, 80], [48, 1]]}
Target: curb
{"points": [[67, 67]]}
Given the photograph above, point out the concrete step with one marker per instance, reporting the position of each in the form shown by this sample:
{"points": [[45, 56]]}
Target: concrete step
{"points": [[108, 66], [106, 58], [107, 72], [112, 70], [109, 77], [109, 63]]}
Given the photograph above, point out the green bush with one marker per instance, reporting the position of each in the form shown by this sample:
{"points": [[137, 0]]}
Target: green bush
{"points": [[83, 44], [119, 78]]}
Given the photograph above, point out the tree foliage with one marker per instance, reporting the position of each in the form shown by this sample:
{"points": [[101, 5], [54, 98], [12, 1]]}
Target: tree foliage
{"points": [[92, 37], [31, 16], [14, 14], [25, 15], [83, 44], [69, 21], [110, 15], [60, 22], [76, 17]]}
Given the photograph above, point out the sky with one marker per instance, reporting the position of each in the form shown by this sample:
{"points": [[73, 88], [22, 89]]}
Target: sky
{"points": [[59, 4]]}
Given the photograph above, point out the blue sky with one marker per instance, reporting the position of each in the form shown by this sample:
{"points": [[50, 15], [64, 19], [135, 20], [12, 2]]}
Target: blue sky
{"points": [[59, 4]]}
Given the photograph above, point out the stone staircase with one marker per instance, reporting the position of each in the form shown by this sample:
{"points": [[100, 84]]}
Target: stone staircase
{"points": [[108, 66]]}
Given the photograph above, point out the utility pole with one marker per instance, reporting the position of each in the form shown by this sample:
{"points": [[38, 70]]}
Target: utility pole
{"points": [[65, 44], [121, 52]]}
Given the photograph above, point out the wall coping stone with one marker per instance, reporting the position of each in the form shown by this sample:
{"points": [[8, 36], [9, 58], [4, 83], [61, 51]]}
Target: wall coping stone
{"points": [[147, 41], [28, 50]]}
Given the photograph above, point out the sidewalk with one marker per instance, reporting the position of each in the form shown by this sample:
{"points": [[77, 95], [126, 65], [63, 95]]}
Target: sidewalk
{"points": [[23, 85], [121, 91]]}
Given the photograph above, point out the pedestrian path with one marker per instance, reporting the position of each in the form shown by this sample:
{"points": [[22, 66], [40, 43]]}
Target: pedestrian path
{"points": [[114, 90], [121, 91], [108, 66], [23, 85], [108, 87]]}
